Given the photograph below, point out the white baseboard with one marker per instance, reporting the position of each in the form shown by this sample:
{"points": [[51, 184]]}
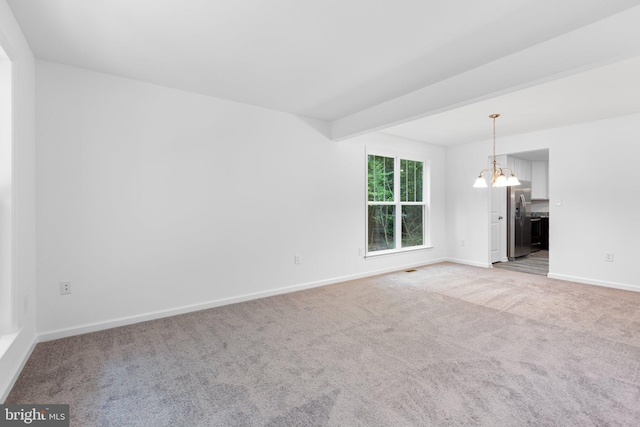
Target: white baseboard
{"points": [[16, 372], [586, 281], [114, 323], [472, 263]]}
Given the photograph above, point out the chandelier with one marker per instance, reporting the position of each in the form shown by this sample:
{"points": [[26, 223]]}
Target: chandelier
{"points": [[498, 178]]}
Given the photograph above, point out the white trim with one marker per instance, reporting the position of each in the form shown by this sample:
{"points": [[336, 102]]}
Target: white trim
{"points": [[400, 251], [472, 263], [634, 288], [397, 157], [10, 324], [23, 361], [99, 326]]}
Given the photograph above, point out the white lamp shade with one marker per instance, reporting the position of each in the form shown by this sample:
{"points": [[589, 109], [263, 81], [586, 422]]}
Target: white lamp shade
{"points": [[501, 181], [512, 181], [480, 183]]}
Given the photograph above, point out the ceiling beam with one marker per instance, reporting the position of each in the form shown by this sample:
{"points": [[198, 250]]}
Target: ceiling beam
{"points": [[607, 41]]}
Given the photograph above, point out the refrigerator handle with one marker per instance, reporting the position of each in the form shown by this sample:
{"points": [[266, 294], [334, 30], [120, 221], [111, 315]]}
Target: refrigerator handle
{"points": [[523, 208]]}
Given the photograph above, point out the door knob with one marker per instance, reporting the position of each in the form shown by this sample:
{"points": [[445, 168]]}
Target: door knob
{"points": [[500, 217]]}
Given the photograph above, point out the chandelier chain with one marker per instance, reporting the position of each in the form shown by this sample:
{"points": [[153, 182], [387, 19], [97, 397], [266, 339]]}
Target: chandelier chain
{"points": [[494, 137]]}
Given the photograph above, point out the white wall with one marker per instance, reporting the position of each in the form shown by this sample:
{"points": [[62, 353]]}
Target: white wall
{"points": [[14, 348], [467, 207], [153, 200], [592, 168]]}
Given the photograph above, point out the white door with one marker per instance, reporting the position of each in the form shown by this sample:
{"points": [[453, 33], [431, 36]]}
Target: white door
{"points": [[496, 234], [498, 214]]}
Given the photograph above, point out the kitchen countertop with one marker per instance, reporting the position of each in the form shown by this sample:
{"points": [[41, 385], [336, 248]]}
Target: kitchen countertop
{"points": [[539, 214]]}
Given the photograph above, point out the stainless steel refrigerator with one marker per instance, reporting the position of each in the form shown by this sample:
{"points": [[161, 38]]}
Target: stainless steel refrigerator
{"points": [[519, 215]]}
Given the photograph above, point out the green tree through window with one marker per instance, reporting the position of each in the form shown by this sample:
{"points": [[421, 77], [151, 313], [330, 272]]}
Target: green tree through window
{"points": [[396, 207]]}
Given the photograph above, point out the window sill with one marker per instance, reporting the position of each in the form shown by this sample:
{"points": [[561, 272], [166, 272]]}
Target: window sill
{"points": [[396, 251]]}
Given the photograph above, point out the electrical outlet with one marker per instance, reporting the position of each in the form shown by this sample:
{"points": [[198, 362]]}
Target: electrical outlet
{"points": [[558, 201], [297, 259], [462, 242], [608, 256], [65, 288], [360, 251]]}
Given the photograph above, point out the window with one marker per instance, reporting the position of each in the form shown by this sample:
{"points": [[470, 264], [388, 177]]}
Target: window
{"points": [[396, 203]]}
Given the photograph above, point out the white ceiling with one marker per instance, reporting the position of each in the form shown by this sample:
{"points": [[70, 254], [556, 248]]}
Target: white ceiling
{"points": [[608, 91], [326, 59]]}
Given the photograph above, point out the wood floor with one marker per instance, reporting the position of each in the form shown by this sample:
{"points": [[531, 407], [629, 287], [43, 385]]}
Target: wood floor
{"points": [[535, 263]]}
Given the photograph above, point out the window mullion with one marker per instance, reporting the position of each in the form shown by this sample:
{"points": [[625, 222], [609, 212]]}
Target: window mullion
{"points": [[398, 203]]}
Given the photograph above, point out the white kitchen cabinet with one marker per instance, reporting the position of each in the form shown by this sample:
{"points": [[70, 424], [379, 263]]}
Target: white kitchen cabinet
{"points": [[539, 180], [525, 168], [511, 163], [520, 167]]}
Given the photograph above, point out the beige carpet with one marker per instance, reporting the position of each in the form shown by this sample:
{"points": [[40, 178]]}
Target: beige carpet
{"points": [[446, 345]]}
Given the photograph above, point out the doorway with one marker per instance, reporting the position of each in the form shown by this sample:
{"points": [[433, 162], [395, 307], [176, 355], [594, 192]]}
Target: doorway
{"points": [[532, 167]]}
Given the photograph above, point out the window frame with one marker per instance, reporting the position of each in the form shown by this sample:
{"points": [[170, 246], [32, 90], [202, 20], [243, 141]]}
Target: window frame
{"points": [[398, 156]]}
